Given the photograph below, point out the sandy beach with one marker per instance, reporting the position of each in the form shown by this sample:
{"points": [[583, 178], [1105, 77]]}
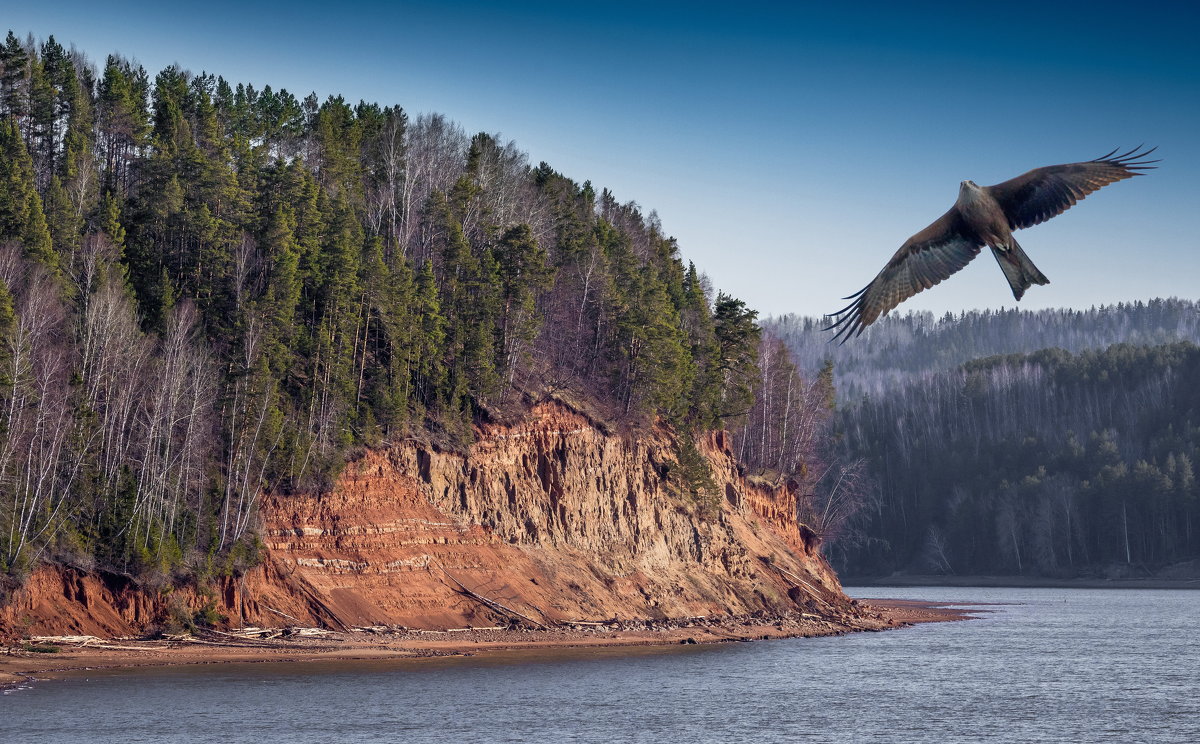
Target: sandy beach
{"points": [[34, 660]]}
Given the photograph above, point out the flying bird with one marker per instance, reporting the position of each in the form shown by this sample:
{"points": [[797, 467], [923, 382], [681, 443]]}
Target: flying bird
{"points": [[984, 215]]}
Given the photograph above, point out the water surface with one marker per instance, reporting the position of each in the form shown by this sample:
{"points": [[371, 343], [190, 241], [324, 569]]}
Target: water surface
{"points": [[1065, 665]]}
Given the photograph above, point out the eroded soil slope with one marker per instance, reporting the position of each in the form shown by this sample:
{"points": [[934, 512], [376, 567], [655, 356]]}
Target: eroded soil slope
{"points": [[550, 520]]}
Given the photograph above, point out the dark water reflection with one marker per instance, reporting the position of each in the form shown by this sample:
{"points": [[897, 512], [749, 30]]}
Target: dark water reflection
{"points": [[1046, 665]]}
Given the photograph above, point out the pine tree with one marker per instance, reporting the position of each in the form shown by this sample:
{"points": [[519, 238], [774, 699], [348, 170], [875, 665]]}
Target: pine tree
{"points": [[524, 274], [826, 384], [737, 336], [282, 253], [73, 116], [122, 121], [14, 70], [109, 221], [338, 138], [477, 325], [21, 215], [42, 122], [386, 359], [651, 365]]}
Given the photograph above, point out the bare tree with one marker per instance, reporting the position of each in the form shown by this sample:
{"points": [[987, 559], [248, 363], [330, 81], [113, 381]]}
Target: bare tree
{"points": [[176, 426], [937, 551], [436, 150], [36, 422]]}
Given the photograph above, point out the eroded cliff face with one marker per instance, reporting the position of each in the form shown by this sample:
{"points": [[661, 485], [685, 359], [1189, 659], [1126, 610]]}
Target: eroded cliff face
{"points": [[553, 519]]}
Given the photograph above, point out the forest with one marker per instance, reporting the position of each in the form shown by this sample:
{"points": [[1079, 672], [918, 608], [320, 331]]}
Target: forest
{"points": [[1058, 443], [209, 290], [1048, 464]]}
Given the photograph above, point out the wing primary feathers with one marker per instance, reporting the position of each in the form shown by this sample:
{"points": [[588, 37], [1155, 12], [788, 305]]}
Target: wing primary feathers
{"points": [[845, 309], [856, 294], [856, 303], [1134, 160], [849, 322], [848, 319]]}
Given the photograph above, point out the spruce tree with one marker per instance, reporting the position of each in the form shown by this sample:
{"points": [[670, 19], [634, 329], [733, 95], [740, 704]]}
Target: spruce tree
{"points": [[696, 316], [21, 215], [429, 352], [62, 220]]}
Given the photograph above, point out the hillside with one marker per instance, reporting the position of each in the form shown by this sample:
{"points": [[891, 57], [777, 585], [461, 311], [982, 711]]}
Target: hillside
{"points": [[218, 301]]}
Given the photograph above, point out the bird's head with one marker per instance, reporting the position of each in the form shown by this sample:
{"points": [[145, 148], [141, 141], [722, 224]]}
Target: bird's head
{"points": [[967, 186]]}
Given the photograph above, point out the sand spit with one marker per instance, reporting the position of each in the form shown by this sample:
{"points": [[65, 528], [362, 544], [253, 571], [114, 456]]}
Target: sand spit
{"points": [[35, 659]]}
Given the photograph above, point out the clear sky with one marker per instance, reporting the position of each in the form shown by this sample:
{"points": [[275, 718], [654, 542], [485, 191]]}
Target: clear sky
{"points": [[790, 148]]}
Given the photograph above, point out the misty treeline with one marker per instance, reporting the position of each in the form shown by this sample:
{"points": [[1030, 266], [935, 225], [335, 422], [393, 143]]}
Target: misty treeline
{"points": [[902, 347], [1048, 463], [208, 290]]}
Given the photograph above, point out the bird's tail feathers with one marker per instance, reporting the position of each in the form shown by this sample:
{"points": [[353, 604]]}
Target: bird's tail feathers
{"points": [[1018, 269]]}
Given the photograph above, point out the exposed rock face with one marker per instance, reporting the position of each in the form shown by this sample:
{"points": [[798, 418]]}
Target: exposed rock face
{"points": [[70, 602], [553, 519]]}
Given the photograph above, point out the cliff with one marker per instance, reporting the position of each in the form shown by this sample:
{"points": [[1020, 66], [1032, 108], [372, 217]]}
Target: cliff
{"points": [[552, 519]]}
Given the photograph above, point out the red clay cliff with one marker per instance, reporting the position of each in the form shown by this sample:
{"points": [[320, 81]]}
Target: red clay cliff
{"points": [[550, 520]]}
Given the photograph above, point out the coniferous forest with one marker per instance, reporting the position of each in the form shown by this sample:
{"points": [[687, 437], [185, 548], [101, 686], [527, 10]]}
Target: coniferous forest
{"points": [[1043, 463], [210, 289]]}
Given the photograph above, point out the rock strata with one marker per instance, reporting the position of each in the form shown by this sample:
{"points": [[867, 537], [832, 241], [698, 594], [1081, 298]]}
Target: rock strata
{"points": [[549, 521]]}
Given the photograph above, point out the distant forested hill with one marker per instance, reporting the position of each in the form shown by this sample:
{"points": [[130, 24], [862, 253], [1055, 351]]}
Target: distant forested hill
{"points": [[902, 347], [1047, 442], [1047, 463]]}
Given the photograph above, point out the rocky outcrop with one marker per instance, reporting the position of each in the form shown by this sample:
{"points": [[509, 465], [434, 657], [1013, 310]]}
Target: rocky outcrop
{"points": [[553, 519]]}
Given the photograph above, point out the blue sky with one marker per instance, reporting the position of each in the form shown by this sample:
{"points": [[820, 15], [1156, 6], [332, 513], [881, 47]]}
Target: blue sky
{"points": [[790, 149]]}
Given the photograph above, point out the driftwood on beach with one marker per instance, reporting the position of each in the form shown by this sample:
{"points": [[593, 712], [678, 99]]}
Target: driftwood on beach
{"points": [[81, 641]]}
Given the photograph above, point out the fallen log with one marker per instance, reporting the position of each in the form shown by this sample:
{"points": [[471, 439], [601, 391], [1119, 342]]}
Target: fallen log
{"points": [[281, 614], [812, 592], [66, 639], [305, 632], [492, 603], [85, 641]]}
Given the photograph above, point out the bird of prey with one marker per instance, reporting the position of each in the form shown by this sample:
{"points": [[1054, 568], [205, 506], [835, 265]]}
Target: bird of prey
{"points": [[984, 215]]}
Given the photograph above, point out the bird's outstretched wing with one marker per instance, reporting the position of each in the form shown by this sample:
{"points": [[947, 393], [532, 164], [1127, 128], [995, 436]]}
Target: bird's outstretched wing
{"points": [[924, 260], [1042, 193]]}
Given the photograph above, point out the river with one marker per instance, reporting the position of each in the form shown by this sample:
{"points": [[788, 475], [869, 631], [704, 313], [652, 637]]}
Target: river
{"points": [[1061, 665]]}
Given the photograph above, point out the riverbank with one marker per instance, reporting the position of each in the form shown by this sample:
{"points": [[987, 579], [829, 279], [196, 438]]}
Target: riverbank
{"points": [[37, 659]]}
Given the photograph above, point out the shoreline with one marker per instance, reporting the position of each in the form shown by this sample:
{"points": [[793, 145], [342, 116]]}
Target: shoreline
{"points": [[1017, 582], [20, 668]]}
